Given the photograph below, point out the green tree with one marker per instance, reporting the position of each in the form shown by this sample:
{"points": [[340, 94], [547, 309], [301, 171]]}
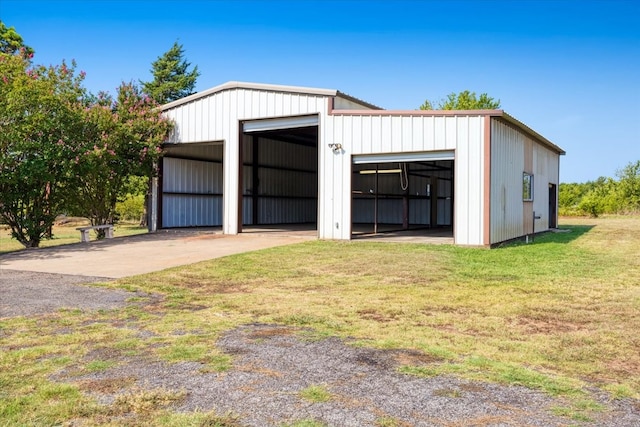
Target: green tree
{"points": [[464, 100], [121, 139], [11, 42], [171, 80], [600, 197], [570, 196], [629, 187], [39, 120], [604, 195]]}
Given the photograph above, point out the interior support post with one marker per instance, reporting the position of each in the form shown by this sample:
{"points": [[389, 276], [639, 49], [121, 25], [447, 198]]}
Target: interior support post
{"points": [[434, 201], [255, 181], [240, 195], [375, 204], [405, 205]]}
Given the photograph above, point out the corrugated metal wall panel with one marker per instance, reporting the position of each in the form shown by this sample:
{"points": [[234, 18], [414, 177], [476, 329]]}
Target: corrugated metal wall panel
{"points": [[377, 133], [362, 211], [180, 210], [507, 166], [247, 180], [386, 127], [247, 211], [282, 154], [390, 210], [364, 145], [274, 182], [216, 118], [230, 128], [445, 202], [191, 192], [288, 182], [439, 131], [466, 135], [212, 118], [511, 150], [545, 166], [472, 141], [341, 103], [191, 176], [195, 151], [419, 212], [286, 211]]}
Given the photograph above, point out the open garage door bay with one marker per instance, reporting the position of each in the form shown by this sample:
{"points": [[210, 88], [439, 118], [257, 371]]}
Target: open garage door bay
{"points": [[191, 185], [279, 163], [402, 191]]}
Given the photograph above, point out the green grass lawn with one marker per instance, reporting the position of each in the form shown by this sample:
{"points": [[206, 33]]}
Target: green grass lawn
{"points": [[64, 234], [560, 315]]}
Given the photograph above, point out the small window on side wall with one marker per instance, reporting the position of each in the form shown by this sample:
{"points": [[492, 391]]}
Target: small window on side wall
{"points": [[527, 187]]}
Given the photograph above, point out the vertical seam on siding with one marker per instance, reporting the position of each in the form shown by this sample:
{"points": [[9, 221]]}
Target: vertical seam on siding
{"points": [[487, 181]]}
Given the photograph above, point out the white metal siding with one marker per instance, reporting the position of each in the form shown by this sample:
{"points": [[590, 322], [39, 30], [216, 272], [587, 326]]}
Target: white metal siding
{"points": [[508, 217], [507, 166], [287, 196], [468, 180], [383, 133], [191, 193], [545, 169], [217, 116], [341, 103]]}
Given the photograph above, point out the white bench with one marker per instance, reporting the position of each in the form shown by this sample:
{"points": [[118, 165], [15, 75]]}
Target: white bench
{"points": [[84, 231]]}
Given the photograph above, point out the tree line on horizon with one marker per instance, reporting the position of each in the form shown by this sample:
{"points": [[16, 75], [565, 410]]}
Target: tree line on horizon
{"points": [[605, 195]]}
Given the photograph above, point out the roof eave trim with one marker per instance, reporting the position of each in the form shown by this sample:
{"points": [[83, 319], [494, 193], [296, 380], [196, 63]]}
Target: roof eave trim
{"points": [[531, 132], [246, 85], [440, 113], [357, 100], [417, 112]]}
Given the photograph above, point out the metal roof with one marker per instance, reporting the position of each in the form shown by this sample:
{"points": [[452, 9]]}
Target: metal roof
{"points": [[265, 87], [333, 92], [491, 113], [531, 132]]}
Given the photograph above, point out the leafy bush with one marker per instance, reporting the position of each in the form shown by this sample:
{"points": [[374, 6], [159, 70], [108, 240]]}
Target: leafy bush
{"points": [[131, 208], [604, 195]]}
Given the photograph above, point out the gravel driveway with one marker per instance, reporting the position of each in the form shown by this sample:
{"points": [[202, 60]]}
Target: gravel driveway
{"points": [[272, 364], [25, 293]]}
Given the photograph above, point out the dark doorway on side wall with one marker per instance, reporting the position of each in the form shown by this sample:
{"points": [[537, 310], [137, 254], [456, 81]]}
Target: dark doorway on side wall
{"points": [[553, 206]]}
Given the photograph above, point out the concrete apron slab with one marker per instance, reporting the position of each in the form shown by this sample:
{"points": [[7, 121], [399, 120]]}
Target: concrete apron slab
{"points": [[129, 256]]}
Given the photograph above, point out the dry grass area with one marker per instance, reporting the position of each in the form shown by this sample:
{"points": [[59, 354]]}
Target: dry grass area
{"points": [[64, 232], [560, 315]]}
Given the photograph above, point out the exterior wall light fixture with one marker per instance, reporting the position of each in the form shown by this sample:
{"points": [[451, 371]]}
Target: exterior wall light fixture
{"points": [[336, 147]]}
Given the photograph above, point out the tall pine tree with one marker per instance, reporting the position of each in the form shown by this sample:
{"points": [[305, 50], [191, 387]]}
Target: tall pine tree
{"points": [[11, 42], [171, 80]]}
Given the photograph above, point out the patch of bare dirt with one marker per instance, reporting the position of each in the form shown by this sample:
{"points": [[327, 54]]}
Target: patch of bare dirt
{"points": [[545, 326]]}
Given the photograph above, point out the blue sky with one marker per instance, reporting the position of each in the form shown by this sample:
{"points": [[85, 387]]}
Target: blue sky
{"points": [[568, 69]]}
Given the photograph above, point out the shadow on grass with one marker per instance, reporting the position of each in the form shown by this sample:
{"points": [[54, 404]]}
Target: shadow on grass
{"points": [[565, 234]]}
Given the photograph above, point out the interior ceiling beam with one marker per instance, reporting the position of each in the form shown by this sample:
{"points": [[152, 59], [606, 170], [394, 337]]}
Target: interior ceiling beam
{"points": [[428, 169], [307, 136]]}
